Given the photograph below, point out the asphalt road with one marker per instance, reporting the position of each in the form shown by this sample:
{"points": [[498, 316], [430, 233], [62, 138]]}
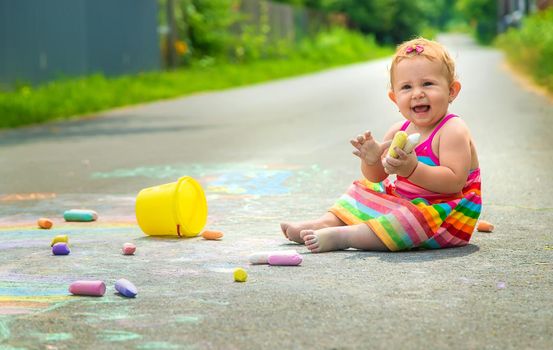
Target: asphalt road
{"points": [[267, 153]]}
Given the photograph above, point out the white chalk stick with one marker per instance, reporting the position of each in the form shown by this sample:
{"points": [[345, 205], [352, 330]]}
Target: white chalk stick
{"points": [[412, 141], [263, 257]]}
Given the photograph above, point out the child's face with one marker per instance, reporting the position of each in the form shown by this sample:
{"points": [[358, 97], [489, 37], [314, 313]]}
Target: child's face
{"points": [[421, 90]]}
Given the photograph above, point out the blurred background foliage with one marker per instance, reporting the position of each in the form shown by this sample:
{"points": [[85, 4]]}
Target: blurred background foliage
{"points": [[221, 29], [234, 31], [481, 16], [530, 47], [216, 44]]}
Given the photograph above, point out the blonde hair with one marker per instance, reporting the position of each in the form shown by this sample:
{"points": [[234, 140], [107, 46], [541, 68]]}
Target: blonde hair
{"points": [[432, 50]]}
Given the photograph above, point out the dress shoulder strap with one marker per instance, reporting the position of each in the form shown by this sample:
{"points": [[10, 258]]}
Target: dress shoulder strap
{"points": [[444, 120], [405, 125]]}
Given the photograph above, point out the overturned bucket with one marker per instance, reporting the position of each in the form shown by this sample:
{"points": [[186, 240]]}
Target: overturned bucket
{"points": [[173, 209]]}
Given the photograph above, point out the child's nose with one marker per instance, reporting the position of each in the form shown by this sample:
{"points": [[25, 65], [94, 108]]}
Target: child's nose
{"points": [[417, 93]]}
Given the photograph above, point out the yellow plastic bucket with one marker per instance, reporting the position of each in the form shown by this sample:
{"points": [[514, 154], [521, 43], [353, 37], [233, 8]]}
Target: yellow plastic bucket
{"points": [[173, 209]]}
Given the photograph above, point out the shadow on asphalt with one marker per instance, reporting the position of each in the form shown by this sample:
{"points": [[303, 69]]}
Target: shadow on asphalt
{"points": [[413, 256], [165, 238], [89, 128]]}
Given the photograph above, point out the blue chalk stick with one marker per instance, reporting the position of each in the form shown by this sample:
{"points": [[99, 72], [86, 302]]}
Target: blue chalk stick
{"points": [[80, 215], [60, 249], [126, 288]]}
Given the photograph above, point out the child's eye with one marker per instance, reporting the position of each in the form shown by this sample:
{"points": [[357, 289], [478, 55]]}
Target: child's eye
{"points": [[427, 83], [405, 87]]}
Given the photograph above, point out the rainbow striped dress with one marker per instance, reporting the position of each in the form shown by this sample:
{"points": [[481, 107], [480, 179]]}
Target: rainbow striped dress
{"points": [[406, 216]]}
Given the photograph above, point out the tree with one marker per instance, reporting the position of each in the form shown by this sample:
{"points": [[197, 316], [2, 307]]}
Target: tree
{"points": [[481, 14], [391, 21]]}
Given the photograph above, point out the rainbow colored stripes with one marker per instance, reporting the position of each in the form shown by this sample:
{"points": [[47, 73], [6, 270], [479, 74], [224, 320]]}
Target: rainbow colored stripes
{"points": [[404, 224]]}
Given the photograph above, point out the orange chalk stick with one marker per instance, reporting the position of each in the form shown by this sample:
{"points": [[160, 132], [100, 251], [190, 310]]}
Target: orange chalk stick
{"points": [[45, 223], [212, 234], [484, 226]]}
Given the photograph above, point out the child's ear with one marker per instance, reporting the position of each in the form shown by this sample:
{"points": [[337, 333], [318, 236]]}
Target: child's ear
{"points": [[454, 89], [392, 96]]}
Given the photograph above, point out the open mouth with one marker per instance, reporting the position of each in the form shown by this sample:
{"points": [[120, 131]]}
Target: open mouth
{"points": [[421, 108]]}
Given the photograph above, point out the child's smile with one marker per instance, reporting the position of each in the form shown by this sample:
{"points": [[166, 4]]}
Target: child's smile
{"points": [[421, 108], [421, 91]]}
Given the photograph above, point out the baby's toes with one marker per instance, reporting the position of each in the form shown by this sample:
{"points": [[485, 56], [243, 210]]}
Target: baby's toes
{"points": [[311, 242], [304, 233]]}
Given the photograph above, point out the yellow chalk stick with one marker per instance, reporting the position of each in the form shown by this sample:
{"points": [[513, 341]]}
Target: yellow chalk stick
{"points": [[58, 239], [400, 138]]}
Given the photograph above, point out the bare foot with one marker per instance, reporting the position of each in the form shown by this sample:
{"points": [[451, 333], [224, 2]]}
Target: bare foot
{"points": [[325, 240], [284, 228], [292, 231]]}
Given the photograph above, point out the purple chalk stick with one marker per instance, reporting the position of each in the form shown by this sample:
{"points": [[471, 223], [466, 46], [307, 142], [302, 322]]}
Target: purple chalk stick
{"points": [[93, 288], [126, 288], [60, 248], [285, 259]]}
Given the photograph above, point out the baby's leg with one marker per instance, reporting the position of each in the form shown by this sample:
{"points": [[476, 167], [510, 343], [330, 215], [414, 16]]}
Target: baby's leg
{"points": [[292, 230], [338, 238]]}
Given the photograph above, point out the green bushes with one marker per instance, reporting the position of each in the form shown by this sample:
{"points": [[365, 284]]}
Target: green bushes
{"points": [[339, 45], [530, 48]]}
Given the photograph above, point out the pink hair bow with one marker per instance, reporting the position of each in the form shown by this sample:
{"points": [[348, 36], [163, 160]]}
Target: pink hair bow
{"points": [[417, 48]]}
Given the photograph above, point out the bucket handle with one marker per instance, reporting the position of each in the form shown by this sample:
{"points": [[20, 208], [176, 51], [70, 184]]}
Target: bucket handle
{"points": [[176, 211]]}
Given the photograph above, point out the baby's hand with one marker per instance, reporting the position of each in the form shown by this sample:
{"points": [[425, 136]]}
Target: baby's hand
{"points": [[402, 166], [368, 149]]}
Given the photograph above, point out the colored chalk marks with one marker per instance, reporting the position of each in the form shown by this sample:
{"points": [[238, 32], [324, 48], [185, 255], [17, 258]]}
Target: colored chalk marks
{"points": [[14, 197], [223, 178], [4, 331], [155, 345], [188, 319], [15, 306], [118, 336], [40, 290], [53, 337]]}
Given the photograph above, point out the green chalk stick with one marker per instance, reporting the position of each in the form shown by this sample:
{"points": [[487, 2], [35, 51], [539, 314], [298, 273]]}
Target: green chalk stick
{"points": [[80, 215]]}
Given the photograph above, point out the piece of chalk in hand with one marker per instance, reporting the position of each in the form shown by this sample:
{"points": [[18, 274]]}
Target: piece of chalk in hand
{"points": [[412, 141], [92, 288], [60, 249], [285, 259], [59, 239], [45, 223], [399, 140], [212, 235], [240, 275], [129, 249], [80, 215], [263, 257], [126, 288]]}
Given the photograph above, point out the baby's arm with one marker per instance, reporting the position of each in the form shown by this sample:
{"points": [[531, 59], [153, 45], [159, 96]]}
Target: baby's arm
{"points": [[455, 160], [371, 153]]}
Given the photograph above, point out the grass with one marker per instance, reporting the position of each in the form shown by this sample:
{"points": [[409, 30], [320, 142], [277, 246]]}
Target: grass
{"points": [[72, 97], [530, 48]]}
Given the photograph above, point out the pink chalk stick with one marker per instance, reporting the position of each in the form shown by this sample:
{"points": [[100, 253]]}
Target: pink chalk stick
{"points": [[93, 288], [285, 259], [129, 249]]}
